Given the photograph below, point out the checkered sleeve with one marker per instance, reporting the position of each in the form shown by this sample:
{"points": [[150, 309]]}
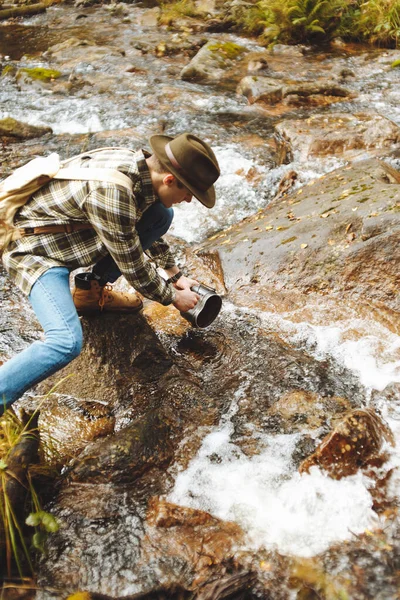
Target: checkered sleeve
{"points": [[160, 252], [112, 213]]}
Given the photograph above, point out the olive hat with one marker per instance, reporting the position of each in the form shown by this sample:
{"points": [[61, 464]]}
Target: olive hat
{"points": [[191, 161]]}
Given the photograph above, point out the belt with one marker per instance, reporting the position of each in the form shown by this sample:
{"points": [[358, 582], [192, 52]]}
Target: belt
{"points": [[67, 228]]}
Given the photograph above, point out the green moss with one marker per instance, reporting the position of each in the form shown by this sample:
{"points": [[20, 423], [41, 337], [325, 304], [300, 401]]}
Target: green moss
{"points": [[229, 49], [8, 70], [41, 74]]}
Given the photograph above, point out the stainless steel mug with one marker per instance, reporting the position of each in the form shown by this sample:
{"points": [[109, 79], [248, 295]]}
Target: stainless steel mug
{"points": [[206, 309]]}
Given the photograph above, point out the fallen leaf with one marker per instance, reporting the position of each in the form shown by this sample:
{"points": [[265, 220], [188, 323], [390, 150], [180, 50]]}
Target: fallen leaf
{"points": [[303, 245], [268, 228], [226, 241], [349, 226], [355, 208]]}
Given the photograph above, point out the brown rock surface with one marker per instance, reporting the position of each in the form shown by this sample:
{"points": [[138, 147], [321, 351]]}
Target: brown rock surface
{"points": [[337, 235], [356, 440]]}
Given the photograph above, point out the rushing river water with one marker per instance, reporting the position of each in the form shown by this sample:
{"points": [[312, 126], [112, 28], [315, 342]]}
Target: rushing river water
{"points": [[299, 515], [278, 508]]}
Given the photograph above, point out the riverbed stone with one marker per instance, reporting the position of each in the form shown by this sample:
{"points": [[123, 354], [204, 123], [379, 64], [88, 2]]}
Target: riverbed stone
{"points": [[214, 61], [258, 89], [354, 442], [339, 134], [11, 128], [299, 409]]}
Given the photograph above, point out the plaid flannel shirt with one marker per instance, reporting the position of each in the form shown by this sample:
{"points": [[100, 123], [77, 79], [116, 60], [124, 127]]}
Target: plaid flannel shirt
{"points": [[110, 209]]}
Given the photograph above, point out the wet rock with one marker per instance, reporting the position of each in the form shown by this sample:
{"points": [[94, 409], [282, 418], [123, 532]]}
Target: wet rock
{"points": [[339, 135], [204, 544], [213, 62], [269, 91], [285, 50], [356, 440], [68, 425], [127, 455], [103, 372], [314, 94], [12, 128], [305, 236], [261, 89], [300, 409], [72, 42]]}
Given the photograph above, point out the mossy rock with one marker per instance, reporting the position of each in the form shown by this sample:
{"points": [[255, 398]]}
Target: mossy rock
{"points": [[213, 61], [10, 127], [10, 70], [41, 74], [230, 50]]}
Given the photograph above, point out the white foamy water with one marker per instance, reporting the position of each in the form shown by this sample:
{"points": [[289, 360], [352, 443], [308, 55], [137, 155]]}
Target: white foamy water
{"points": [[295, 514], [278, 508]]}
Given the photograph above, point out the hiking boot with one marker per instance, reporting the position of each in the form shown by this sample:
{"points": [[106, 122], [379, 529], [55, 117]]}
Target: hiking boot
{"points": [[89, 297]]}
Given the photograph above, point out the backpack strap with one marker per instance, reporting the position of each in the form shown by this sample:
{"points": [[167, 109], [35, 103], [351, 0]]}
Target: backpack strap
{"points": [[89, 174]]}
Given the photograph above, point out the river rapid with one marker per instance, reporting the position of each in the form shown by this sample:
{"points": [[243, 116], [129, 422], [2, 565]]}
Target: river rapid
{"points": [[298, 515]]}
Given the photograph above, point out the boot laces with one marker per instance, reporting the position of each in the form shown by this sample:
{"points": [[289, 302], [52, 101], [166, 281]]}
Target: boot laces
{"points": [[105, 295]]}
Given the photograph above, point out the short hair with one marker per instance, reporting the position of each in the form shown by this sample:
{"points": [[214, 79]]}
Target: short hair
{"points": [[157, 165]]}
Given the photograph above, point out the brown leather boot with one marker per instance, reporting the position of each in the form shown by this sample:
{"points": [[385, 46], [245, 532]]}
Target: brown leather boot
{"points": [[89, 297]]}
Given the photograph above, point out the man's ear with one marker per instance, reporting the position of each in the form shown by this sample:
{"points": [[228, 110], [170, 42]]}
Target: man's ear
{"points": [[169, 179]]}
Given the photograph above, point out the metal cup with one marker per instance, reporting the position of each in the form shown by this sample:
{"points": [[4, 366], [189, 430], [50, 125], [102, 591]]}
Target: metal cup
{"points": [[207, 307]]}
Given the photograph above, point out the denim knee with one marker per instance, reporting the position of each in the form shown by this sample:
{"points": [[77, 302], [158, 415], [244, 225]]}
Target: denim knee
{"points": [[67, 344]]}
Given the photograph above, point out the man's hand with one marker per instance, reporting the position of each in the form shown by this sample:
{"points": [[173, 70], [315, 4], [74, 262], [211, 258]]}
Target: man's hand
{"points": [[185, 283], [185, 299]]}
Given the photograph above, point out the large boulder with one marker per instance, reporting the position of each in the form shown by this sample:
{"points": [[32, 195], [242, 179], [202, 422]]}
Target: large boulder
{"points": [[339, 234]]}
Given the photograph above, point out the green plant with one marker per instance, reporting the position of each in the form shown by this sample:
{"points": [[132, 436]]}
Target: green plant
{"points": [[381, 19], [300, 21], [171, 11], [20, 506], [374, 21]]}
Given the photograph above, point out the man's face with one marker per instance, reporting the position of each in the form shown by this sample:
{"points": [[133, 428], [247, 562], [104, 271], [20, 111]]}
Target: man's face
{"points": [[172, 191]]}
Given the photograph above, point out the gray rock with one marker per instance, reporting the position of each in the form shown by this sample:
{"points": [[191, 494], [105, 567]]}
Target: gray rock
{"points": [[213, 61]]}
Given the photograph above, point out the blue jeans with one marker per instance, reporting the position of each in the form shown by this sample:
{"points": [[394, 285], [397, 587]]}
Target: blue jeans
{"points": [[52, 302]]}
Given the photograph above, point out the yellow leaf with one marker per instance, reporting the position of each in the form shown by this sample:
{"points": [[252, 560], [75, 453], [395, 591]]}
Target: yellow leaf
{"points": [[303, 245], [226, 241], [299, 192], [268, 228]]}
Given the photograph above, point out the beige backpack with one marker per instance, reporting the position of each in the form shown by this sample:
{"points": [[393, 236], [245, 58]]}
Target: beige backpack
{"points": [[16, 189]]}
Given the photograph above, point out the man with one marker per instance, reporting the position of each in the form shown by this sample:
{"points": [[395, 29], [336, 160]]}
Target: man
{"points": [[71, 224]]}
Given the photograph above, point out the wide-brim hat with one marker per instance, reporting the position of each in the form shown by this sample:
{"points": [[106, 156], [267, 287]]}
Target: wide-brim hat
{"points": [[191, 161]]}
